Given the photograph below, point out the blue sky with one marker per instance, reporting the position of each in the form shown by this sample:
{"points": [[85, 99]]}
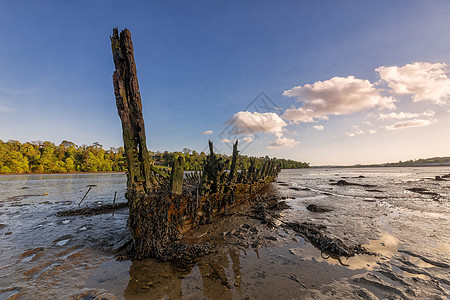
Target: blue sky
{"points": [[200, 63]]}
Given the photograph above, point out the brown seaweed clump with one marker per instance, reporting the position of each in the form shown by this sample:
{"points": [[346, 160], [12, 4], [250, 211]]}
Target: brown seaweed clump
{"points": [[324, 243]]}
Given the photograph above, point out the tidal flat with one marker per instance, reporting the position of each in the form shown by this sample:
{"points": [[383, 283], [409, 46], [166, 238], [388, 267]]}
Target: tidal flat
{"points": [[401, 214]]}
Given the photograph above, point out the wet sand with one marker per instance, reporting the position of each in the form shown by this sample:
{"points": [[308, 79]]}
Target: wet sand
{"points": [[46, 256]]}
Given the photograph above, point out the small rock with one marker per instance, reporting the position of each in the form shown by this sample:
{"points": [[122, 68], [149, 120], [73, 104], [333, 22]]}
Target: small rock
{"points": [[316, 208], [342, 182]]}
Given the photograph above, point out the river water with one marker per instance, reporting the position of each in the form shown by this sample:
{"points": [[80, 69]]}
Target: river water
{"points": [[403, 214]]}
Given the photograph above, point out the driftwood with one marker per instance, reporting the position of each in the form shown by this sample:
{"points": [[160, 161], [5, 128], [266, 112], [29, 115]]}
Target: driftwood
{"points": [[164, 206]]}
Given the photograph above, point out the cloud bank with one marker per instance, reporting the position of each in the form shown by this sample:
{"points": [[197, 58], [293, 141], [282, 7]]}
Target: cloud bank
{"points": [[422, 80], [336, 96]]}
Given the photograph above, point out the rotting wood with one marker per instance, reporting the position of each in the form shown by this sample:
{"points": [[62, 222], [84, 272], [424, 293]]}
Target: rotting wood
{"points": [[176, 177], [161, 206], [129, 107]]}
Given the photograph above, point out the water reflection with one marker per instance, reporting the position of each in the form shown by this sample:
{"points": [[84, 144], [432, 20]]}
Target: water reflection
{"points": [[217, 276], [238, 274]]}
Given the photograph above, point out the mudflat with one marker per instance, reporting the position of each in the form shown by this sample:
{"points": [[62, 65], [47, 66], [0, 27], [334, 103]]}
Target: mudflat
{"points": [[399, 216]]}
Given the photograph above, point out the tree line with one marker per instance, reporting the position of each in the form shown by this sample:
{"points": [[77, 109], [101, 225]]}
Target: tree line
{"points": [[46, 157], [434, 161]]}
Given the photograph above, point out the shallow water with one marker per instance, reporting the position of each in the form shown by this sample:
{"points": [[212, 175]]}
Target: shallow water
{"points": [[46, 256]]}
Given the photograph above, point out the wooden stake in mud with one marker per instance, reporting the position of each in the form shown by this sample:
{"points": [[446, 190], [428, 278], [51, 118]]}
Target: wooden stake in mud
{"points": [[176, 177], [233, 162], [85, 195], [129, 107]]}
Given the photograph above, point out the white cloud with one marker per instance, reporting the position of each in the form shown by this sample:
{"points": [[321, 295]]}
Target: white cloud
{"points": [[355, 133], [372, 131], [282, 142], [406, 115], [248, 139], [247, 122], [423, 80], [206, 132], [336, 96], [318, 127], [409, 123]]}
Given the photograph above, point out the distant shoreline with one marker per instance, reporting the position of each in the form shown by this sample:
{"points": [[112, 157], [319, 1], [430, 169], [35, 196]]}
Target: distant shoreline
{"points": [[379, 166], [312, 167], [69, 173]]}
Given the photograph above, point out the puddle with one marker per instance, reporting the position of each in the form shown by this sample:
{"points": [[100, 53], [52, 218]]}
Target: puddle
{"points": [[234, 274], [28, 258], [62, 242], [30, 254], [7, 293], [295, 268], [296, 204], [112, 276]]}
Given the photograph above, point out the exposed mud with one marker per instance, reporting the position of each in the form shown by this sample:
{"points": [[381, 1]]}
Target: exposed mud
{"points": [[252, 251]]}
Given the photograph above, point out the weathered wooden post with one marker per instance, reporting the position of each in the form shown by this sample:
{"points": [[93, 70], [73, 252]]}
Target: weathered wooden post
{"points": [[176, 177], [140, 181], [233, 162], [129, 107]]}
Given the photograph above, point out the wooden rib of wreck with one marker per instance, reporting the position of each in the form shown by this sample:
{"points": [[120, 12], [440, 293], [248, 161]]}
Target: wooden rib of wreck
{"points": [[164, 206]]}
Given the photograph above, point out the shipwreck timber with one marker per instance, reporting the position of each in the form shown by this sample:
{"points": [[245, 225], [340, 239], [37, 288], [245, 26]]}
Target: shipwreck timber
{"points": [[164, 206]]}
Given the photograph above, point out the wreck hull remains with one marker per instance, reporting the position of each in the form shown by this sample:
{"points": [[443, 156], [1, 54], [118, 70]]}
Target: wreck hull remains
{"points": [[164, 206]]}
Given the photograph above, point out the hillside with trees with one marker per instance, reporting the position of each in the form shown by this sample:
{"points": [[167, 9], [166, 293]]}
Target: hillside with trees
{"points": [[46, 157], [434, 161]]}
